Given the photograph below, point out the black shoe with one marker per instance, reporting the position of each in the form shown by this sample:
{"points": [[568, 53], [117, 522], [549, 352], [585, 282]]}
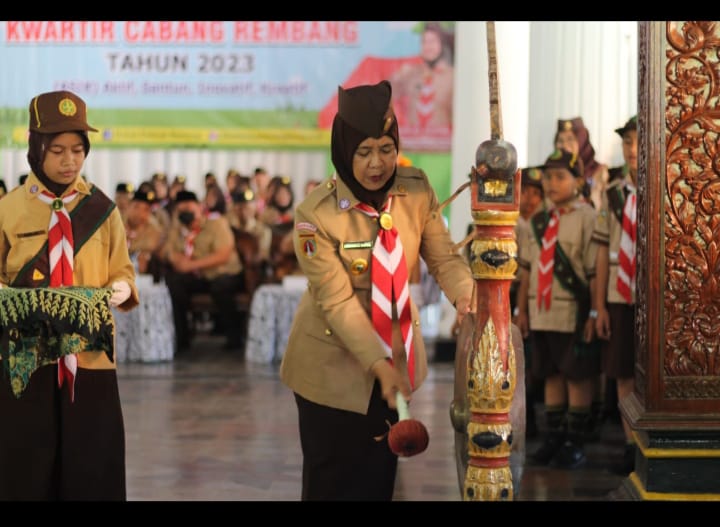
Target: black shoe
{"points": [[547, 450], [183, 346], [569, 456]]}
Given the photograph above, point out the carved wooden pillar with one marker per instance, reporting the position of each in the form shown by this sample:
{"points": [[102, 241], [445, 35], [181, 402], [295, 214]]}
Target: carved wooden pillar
{"points": [[675, 409]]}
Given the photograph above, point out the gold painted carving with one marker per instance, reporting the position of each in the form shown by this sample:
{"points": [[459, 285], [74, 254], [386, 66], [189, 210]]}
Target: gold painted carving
{"points": [[490, 384], [483, 270]]}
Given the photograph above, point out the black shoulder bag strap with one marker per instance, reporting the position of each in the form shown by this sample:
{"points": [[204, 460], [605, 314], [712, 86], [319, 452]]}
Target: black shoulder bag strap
{"points": [[86, 217]]}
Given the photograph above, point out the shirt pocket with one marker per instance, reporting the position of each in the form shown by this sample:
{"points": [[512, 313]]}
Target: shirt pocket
{"points": [[357, 258], [24, 246]]}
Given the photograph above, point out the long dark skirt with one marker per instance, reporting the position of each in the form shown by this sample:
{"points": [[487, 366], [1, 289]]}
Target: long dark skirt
{"points": [[54, 449], [345, 454]]}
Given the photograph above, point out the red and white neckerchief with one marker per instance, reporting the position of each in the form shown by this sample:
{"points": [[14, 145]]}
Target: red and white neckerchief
{"points": [[626, 256], [61, 251], [547, 260], [426, 102], [390, 282], [190, 241]]}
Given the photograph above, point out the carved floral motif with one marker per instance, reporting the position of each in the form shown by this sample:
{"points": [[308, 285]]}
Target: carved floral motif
{"points": [[692, 200]]}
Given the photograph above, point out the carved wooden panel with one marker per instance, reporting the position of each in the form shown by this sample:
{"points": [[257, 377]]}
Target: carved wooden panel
{"points": [[691, 202], [641, 315]]}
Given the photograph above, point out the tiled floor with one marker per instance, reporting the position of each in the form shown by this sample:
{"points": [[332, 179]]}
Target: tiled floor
{"points": [[210, 426]]}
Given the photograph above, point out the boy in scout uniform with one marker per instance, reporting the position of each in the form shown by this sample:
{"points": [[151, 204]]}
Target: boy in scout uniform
{"points": [[615, 304], [532, 199], [203, 258], [145, 237], [63, 438], [557, 267], [353, 344]]}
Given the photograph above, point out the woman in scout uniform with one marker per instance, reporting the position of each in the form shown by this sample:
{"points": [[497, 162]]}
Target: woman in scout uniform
{"points": [[63, 442], [615, 234], [354, 344], [557, 269]]}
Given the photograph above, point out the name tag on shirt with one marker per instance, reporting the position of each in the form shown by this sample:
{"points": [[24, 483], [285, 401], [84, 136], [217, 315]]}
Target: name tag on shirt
{"points": [[357, 245]]}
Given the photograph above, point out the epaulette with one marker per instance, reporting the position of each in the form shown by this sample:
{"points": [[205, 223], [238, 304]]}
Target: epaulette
{"points": [[323, 191]]}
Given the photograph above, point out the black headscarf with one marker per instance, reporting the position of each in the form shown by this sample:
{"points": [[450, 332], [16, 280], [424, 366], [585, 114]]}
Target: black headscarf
{"points": [[363, 111], [37, 149]]}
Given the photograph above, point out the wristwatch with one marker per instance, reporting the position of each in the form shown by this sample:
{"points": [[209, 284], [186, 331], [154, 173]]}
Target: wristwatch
{"points": [[593, 313]]}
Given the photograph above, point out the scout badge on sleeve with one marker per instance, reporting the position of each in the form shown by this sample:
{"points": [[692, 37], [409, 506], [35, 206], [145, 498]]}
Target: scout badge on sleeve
{"points": [[306, 235]]}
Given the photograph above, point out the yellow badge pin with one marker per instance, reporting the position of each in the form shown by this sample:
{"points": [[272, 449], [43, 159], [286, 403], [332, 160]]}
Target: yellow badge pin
{"points": [[386, 221], [359, 266]]}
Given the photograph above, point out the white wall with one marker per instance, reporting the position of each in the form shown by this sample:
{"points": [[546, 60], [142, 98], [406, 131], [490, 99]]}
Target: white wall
{"points": [[586, 69], [547, 71]]}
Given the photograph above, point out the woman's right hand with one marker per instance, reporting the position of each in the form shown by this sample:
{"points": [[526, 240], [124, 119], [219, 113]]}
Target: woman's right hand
{"points": [[390, 382], [523, 324]]}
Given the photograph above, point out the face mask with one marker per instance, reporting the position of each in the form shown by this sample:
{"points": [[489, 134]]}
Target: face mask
{"points": [[186, 217]]}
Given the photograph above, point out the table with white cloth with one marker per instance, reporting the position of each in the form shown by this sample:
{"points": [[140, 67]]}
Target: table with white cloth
{"points": [[147, 332], [271, 314]]}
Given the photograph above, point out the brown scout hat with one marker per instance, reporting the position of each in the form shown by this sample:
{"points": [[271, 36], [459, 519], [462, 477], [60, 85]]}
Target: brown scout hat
{"points": [[566, 160], [367, 109], [575, 124], [532, 177], [58, 111], [127, 188], [243, 197], [185, 195], [145, 197], [630, 125]]}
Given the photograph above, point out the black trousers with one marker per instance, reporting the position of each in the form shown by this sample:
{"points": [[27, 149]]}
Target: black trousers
{"points": [[54, 449], [345, 454], [222, 289]]}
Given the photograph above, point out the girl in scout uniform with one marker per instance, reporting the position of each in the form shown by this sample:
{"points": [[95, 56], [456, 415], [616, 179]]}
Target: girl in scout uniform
{"points": [[615, 306], [354, 344], [63, 437], [557, 267], [572, 135]]}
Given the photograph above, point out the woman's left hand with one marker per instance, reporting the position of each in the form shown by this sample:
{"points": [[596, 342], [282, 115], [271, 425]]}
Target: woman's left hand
{"points": [[463, 306]]}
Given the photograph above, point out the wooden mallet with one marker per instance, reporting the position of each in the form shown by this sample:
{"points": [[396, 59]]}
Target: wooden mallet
{"points": [[408, 436]]}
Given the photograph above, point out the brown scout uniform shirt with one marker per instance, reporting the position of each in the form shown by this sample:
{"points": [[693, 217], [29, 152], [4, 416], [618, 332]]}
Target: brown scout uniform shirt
{"points": [[332, 342], [214, 234], [147, 238], [608, 230], [574, 236], [102, 260]]}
